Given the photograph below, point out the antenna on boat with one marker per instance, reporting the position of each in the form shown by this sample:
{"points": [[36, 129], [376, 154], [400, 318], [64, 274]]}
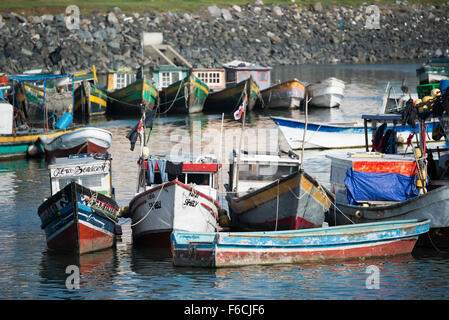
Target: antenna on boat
{"points": [[305, 130], [241, 138]]}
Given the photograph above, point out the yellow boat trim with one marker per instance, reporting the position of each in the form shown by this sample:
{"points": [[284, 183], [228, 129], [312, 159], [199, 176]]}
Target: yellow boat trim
{"points": [[285, 186], [32, 137], [34, 90], [98, 100]]}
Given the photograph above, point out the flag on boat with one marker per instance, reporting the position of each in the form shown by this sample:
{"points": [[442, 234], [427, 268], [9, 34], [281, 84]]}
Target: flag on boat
{"points": [[134, 132], [238, 113]]}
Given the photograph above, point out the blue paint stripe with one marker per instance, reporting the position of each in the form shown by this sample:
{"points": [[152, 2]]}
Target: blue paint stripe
{"points": [[86, 214], [341, 129]]}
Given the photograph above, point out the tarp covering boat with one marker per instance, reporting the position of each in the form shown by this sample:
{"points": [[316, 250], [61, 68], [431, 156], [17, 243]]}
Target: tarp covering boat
{"points": [[364, 186]]}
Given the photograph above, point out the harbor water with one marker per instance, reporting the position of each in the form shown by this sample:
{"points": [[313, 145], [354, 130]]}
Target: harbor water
{"points": [[29, 271]]}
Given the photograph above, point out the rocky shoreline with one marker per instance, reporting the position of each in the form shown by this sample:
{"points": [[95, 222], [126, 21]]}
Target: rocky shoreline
{"points": [[268, 35]]}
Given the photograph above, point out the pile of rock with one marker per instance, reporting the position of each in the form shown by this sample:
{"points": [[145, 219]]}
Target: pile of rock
{"points": [[268, 35]]}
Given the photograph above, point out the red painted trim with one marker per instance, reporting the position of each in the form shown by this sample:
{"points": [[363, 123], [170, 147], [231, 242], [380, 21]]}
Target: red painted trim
{"points": [[210, 209], [191, 167], [262, 72]]}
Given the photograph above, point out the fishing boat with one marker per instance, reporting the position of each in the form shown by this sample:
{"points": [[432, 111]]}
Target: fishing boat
{"points": [[351, 242], [80, 216], [84, 140], [129, 100], [229, 99], [288, 94], [337, 135], [174, 192], [327, 93], [18, 141], [183, 199], [90, 101], [187, 95], [434, 70], [271, 192], [41, 103]]}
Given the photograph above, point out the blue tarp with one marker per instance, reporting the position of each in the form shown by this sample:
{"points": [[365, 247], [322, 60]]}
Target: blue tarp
{"points": [[373, 186]]}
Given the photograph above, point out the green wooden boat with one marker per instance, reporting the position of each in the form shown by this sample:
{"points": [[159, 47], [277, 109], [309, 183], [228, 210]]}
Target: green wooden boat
{"points": [[128, 100], [230, 98], [90, 101], [185, 96]]}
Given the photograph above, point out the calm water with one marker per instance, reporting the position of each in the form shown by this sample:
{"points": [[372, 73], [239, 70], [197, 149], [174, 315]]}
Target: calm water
{"points": [[29, 271]]}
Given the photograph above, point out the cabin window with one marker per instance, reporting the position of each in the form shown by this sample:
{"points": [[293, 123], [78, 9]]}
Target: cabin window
{"points": [[242, 75], [91, 182], [167, 78], [124, 79], [209, 78], [265, 172], [199, 178], [263, 76]]}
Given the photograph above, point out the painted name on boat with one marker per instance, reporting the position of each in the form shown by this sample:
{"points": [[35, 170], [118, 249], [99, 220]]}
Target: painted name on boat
{"points": [[79, 170]]}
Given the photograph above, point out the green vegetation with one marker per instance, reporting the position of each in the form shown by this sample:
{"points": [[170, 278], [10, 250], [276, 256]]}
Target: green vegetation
{"points": [[129, 6]]}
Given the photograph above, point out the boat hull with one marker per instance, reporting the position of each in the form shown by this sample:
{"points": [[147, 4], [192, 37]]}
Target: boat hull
{"points": [[229, 99], [85, 140], [78, 220], [228, 249], [17, 145], [90, 101], [297, 202], [284, 95], [128, 100], [333, 136], [433, 205], [155, 213], [327, 94], [185, 96]]}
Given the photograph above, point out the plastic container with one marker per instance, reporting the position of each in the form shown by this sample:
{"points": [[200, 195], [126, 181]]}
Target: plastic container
{"points": [[426, 89], [64, 121], [444, 84]]}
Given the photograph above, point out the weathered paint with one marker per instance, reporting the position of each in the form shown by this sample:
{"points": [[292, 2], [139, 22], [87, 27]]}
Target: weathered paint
{"points": [[73, 225], [335, 243], [288, 94]]}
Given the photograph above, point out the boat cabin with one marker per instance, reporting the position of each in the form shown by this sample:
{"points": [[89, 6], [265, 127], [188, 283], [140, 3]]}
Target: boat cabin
{"points": [[237, 71], [257, 170], [202, 174], [165, 75], [87, 170], [115, 79], [7, 118], [214, 78]]}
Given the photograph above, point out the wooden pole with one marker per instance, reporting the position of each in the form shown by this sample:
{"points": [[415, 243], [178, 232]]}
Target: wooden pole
{"points": [[305, 130], [240, 144]]}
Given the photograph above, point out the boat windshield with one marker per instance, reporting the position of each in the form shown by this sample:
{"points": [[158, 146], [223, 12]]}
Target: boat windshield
{"points": [[265, 172], [94, 182]]}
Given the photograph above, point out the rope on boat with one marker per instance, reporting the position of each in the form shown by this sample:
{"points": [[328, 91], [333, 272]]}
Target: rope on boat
{"points": [[433, 244], [151, 209], [175, 99]]}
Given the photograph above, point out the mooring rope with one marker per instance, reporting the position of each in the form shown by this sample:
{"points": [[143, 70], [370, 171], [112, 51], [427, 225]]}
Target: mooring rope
{"points": [[154, 203]]}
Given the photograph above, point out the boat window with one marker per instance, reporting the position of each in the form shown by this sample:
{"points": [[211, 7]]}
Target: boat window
{"points": [[242, 75], [263, 76], [63, 182], [199, 178], [158, 180], [120, 80], [265, 172], [91, 182]]}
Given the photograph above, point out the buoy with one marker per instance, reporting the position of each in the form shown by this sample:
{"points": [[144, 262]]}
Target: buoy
{"points": [[123, 212], [224, 221], [435, 92]]}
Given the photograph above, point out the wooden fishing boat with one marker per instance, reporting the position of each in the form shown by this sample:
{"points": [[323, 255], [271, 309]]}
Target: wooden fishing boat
{"points": [[434, 70], [392, 195], [128, 100], [270, 192], [330, 135], [231, 249], [184, 199], [288, 94], [229, 99], [81, 214], [90, 101], [19, 142], [84, 140], [327, 93], [185, 96]]}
